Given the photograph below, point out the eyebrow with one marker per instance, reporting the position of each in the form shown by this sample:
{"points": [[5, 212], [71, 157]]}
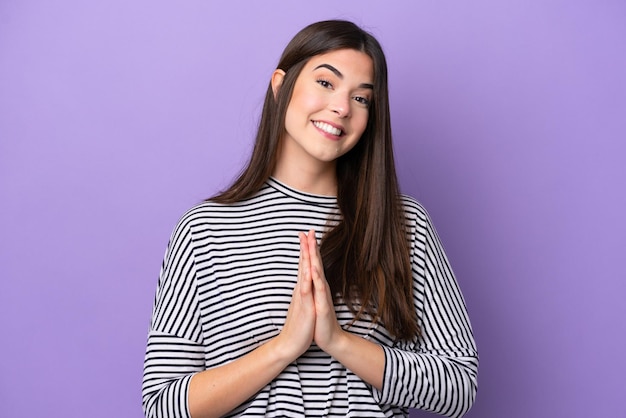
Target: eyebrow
{"points": [[338, 74]]}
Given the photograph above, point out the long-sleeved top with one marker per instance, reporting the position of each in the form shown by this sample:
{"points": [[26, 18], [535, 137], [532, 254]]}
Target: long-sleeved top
{"points": [[224, 289]]}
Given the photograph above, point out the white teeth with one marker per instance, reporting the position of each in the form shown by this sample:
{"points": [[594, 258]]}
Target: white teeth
{"points": [[327, 128]]}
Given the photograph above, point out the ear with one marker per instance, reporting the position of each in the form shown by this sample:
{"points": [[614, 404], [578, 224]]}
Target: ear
{"points": [[277, 80]]}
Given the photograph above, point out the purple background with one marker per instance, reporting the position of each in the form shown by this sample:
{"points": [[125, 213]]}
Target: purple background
{"points": [[510, 126]]}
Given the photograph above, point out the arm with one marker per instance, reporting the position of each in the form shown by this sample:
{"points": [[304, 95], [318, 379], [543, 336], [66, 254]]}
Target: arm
{"points": [[436, 372], [175, 380], [174, 350], [214, 392]]}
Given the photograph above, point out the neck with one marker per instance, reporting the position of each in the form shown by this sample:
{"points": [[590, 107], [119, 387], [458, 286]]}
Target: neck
{"points": [[313, 179]]}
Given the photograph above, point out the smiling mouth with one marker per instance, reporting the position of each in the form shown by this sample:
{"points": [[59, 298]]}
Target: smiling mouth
{"points": [[328, 128]]}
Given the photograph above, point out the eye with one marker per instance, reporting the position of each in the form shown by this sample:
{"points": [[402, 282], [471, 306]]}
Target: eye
{"points": [[324, 83], [362, 100]]}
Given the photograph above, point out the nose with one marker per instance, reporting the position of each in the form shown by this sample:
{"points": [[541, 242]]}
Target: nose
{"points": [[340, 104]]}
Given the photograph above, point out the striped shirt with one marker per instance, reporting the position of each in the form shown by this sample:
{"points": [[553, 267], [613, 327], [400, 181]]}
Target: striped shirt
{"points": [[225, 287]]}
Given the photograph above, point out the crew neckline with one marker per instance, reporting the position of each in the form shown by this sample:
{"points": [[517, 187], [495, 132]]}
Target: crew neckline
{"points": [[300, 195]]}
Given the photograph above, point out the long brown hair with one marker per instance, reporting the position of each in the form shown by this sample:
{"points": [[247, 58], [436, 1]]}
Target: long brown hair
{"points": [[366, 255]]}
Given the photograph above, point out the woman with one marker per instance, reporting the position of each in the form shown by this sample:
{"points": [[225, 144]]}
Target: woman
{"points": [[253, 318]]}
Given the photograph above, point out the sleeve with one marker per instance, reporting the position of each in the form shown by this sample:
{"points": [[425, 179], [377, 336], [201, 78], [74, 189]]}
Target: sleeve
{"points": [[174, 350], [438, 371]]}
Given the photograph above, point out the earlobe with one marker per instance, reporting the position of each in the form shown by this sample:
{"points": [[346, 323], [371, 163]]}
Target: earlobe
{"points": [[277, 80]]}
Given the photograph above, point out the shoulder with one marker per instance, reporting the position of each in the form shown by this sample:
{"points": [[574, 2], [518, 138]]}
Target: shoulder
{"points": [[209, 215], [209, 211], [414, 211], [200, 213]]}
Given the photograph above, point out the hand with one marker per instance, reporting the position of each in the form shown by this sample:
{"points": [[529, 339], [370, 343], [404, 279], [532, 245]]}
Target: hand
{"points": [[364, 358], [297, 333], [327, 330]]}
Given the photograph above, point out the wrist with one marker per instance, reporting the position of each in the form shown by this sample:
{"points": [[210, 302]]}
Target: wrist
{"points": [[364, 358], [281, 351], [339, 344]]}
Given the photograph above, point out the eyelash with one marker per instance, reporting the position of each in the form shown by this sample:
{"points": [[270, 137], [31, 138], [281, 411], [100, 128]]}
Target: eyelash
{"points": [[359, 99], [324, 83], [362, 100]]}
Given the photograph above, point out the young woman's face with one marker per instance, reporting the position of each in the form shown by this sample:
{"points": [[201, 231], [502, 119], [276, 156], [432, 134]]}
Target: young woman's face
{"points": [[328, 110]]}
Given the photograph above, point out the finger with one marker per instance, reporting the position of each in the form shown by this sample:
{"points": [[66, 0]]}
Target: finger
{"points": [[320, 285], [312, 238], [305, 254], [314, 253], [312, 245], [305, 264], [301, 257]]}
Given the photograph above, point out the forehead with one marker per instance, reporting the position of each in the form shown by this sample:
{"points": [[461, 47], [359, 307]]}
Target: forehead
{"points": [[350, 63]]}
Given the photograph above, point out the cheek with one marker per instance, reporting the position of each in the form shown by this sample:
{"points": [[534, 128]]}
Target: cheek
{"points": [[360, 121], [305, 101], [310, 104]]}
